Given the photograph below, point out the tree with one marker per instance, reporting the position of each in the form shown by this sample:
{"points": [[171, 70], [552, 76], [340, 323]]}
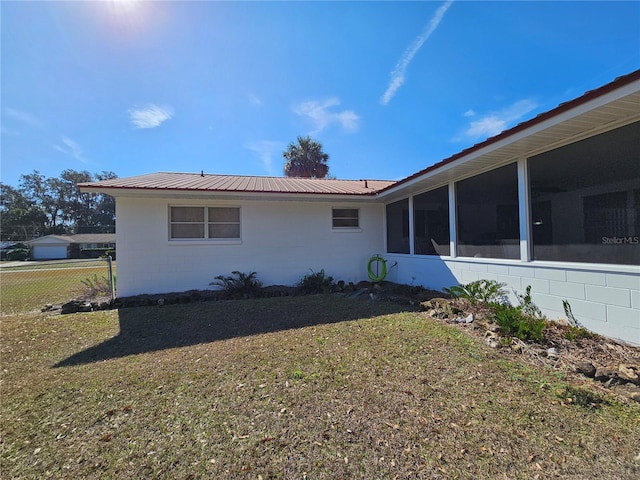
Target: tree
{"points": [[42, 206], [305, 159]]}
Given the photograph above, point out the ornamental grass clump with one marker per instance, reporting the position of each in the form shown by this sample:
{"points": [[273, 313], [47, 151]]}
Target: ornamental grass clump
{"points": [[316, 282], [485, 291], [242, 285]]}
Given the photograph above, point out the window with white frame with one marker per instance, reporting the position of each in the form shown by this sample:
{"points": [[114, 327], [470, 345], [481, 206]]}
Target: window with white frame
{"points": [[345, 218], [196, 223]]}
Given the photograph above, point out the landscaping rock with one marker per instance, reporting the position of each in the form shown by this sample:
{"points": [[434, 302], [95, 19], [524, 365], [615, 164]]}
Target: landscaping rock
{"points": [[629, 390], [586, 368], [606, 374], [629, 373], [492, 339], [75, 306]]}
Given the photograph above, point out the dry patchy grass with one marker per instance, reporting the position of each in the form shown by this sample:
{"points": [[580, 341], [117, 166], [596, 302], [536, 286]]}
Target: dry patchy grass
{"points": [[311, 387]]}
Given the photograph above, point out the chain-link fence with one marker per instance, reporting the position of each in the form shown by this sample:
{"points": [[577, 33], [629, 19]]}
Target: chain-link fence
{"points": [[28, 286]]}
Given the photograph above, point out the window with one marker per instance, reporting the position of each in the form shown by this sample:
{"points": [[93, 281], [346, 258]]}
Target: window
{"points": [[487, 210], [398, 227], [585, 200], [431, 222], [345, 218], [189, 223]]}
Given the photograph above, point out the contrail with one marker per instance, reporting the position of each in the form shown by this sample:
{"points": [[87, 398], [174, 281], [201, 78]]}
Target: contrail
{"points": [[397, 76]]}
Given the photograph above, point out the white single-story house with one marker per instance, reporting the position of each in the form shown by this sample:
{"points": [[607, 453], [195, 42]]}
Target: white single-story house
{"points": [[553, 203], [52, 247]]}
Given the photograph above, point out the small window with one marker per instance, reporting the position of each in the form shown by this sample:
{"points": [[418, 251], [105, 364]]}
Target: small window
{"points": [[190, 223], [345, 218]]}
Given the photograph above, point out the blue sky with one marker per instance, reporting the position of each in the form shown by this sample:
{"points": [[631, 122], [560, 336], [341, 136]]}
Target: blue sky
{"points": [[388, 88]]}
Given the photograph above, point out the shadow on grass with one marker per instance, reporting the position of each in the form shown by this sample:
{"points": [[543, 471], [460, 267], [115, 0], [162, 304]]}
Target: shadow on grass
{"points": [[149, 329]]}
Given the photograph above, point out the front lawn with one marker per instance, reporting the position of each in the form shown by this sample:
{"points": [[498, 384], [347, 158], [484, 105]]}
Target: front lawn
{"points": [[318, 387]]}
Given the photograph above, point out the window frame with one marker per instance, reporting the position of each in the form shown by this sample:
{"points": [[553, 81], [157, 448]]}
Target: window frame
{"points": [[350, 228], [206, 223]]}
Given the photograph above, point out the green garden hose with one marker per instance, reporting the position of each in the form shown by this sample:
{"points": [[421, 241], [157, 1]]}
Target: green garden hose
{"points": [[380, 269]]}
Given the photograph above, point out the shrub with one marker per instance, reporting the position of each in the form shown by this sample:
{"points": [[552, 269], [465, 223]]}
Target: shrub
{"points": [[527, 306], [575, 330], [513, 321], [486, 291], [18, 254], [243, 285], [316, 282]]}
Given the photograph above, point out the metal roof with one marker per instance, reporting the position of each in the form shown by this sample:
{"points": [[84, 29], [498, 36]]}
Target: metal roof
{"points": [[202, 182]]}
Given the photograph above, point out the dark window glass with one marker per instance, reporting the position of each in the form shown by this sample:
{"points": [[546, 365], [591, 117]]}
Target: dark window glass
{"points": [[345, 217], [585, 200], [398, 227], [488, 219], [431, 222], [195, 222]]}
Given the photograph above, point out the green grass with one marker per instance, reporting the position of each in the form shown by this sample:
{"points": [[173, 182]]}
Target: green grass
{"points": [[30, 289], [318, 387]]}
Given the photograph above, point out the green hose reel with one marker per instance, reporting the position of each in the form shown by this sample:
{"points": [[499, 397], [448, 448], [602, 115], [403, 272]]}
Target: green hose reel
{"points": [[377, 268]]}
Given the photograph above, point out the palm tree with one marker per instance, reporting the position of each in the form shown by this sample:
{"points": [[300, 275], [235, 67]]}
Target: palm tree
{"points": [[305, 159]]}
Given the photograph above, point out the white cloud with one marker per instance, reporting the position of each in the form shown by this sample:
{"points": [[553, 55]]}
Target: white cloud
{"points": [[71, 148], [23, 117], [494, 123], [254, 100], [150, 116], [398, 74], [321, 116], [266, 149], [469, 113]]}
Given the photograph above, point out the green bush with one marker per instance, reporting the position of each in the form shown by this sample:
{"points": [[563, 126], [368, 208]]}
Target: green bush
{"points": [[513, 321], [18, 254], [316, 282], [243, 285], [486, 291]]}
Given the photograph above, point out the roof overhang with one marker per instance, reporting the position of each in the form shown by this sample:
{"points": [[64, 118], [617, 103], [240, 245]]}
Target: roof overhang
{"points": [[568, 123]]}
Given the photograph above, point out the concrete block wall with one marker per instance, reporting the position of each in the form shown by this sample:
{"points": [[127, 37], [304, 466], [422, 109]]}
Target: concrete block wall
{"points": [[281, 241], [604, 299]]}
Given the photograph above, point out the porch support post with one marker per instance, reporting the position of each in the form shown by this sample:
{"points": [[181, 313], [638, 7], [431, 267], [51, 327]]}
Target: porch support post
{"points": [[411, 226], [524, 208], [453, 226]]}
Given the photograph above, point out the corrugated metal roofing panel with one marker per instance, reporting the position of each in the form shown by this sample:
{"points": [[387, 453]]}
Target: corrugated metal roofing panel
{"points": [[237, 183]]}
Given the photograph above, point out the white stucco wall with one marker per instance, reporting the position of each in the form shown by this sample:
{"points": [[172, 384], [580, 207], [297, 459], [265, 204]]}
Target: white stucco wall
{"points": [[604, 299], [281, 241]]}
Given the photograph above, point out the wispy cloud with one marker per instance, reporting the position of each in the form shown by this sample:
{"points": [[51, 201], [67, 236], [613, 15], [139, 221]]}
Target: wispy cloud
{"points": [[399, 73], [23, 117], [321, 116], [71, 148], [493, 123], [266, 150], [150, 116], [254, 100]]}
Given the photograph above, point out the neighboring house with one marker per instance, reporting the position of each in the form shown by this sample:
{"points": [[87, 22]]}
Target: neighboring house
{"points": [[53, 247], [553, 203]]}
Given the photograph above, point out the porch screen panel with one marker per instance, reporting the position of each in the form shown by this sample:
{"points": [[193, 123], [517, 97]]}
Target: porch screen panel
{"points": [[488, 215], [398, 227], [431, 222], [585, 205]]}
